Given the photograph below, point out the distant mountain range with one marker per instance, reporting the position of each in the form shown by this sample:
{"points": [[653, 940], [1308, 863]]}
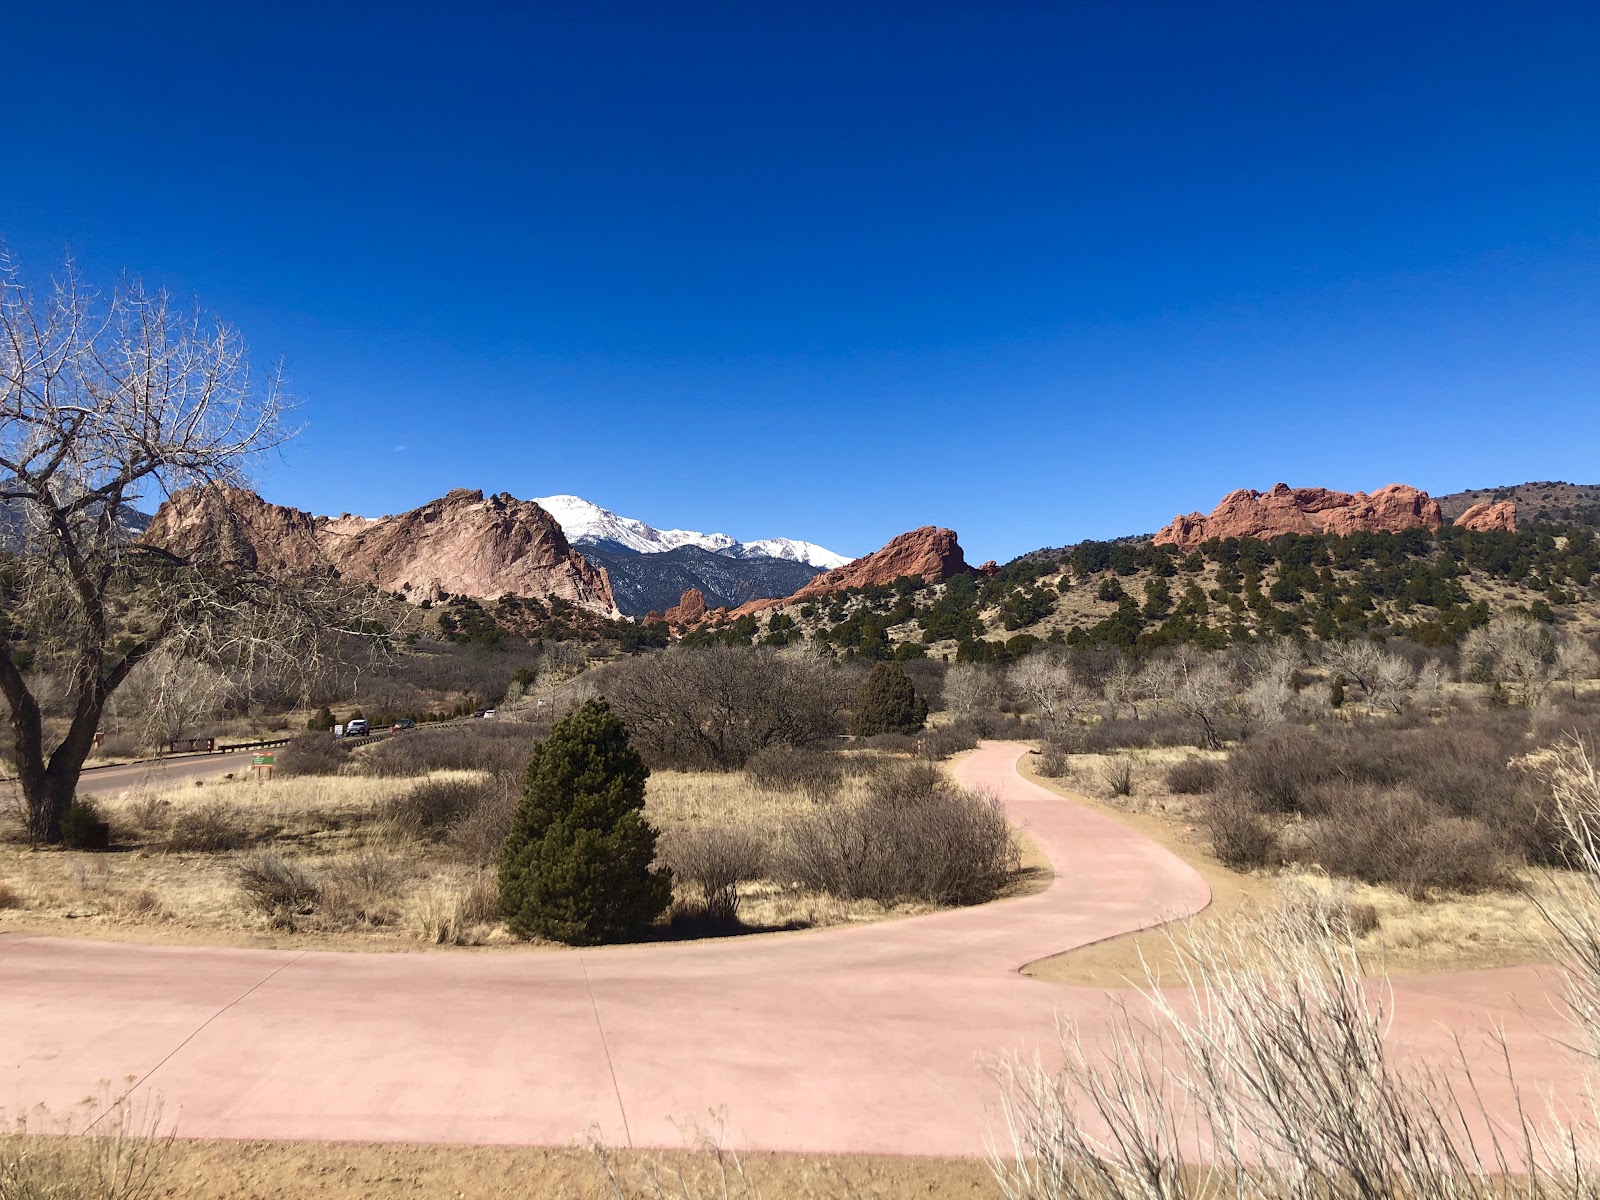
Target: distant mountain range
{"points": [[644, 583], [588, 525], [651, 568]]}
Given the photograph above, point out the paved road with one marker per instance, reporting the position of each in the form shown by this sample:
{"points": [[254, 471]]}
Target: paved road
{"points": [[865, 1039], [106, 781]]}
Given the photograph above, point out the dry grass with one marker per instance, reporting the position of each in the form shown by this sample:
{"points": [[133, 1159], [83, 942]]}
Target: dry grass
{"points": [[1451, 933], [250, 1170], [383, 882]]}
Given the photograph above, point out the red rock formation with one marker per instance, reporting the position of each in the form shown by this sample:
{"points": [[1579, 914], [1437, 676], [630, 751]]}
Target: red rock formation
{"points": [[989, 569], [1487, 517], [689, 611], [929, 554], [236, 528], [1282, 510], [463, 544]]}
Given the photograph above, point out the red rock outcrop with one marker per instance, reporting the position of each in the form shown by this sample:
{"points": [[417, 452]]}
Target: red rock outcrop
{"points": [[930, 554], [462, 543], [1282, 510], [234, 527], [1485, 518], [689, 611]]}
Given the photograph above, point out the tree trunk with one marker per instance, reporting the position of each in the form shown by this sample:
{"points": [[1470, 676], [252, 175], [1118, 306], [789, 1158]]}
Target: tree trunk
{"points": [[47, 797], [49, 789]]}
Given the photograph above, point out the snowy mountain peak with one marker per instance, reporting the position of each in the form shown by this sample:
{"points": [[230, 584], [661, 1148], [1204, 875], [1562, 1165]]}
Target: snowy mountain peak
{"points": [[584, 521]]}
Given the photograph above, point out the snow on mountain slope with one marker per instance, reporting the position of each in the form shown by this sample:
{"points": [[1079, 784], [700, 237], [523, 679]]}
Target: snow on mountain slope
{"points": [[794, 551], [583, 521]]}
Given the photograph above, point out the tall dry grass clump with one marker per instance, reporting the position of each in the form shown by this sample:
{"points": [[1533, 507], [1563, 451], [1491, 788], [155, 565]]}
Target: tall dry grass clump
{"points": [[1264, 1058], [109, 1149]]}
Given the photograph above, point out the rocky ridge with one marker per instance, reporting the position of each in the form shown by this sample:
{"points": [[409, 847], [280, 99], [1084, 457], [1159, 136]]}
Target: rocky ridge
{"points": [[462, 544], [1283, 510]]}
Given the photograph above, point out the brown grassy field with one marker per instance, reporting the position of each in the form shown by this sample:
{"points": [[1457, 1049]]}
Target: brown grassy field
{"points": [[1446, 933], [385, 885]]}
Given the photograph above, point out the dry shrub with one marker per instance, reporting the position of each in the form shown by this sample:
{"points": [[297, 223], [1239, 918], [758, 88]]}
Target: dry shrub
{"points": [[500, 747], [946, 740], [1400, 839], [208, 828], [279, 886], [1121, 733], [1054, 763], [312, 754], [817, 773], [902, 782], [947, 846], [479, 835], [1117, 776], [889, 743], [364, 890], [148, 813], [9, 897], [1241, 837], [432, 806], [1193, 776], [715, 860], [1283, 1074]]}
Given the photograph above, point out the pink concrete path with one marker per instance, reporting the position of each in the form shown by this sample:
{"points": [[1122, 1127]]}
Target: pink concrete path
{"points": [[863, 1039]]}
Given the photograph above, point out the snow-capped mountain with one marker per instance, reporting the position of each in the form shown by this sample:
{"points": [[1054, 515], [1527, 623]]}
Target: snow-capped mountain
{"points": [[586, 523]]}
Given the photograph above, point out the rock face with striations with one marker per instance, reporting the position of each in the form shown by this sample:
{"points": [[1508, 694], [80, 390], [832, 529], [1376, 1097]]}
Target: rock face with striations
{"points": [[930, 554], [1282, 510], [1486, 518], [238, 528], [462, 543]]}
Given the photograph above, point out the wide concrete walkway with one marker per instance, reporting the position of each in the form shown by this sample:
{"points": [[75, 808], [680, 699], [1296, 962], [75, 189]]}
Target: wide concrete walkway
{"points": [[870, 1039]]}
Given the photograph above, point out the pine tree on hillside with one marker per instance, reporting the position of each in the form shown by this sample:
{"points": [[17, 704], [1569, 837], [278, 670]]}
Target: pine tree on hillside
{"points": [[888, 703], [576, 866]]}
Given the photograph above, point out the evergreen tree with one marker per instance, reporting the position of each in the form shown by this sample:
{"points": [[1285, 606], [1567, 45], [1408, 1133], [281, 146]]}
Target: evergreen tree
{"points": [[888, 703], [576, 866]]}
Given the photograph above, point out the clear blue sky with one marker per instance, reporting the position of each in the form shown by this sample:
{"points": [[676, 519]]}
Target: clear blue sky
{"points": [[1035, 271]]}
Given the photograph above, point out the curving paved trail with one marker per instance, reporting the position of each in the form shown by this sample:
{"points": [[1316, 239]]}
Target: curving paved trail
{"points": [[864, 1039]]}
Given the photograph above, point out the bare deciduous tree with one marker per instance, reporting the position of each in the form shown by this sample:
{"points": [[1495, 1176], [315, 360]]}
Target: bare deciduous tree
{"points": [[1574, 661], [1512, 650], [105, 401], [1051, 687]]}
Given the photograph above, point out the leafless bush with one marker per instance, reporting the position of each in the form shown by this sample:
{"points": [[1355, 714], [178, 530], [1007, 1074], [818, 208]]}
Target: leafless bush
{"points": [[364, 890], [1159, 728], [312, 754], [716, 860], [1400, 839], [209, 828], [945, 740], [148, 813], [1193, 776], [1117, 776], [715, 707], [496, 746], [889, 743], [1240, 836], [279, 886], [945, 846], [817, 773], [480, 834], [1054, 763], [430, 807]]}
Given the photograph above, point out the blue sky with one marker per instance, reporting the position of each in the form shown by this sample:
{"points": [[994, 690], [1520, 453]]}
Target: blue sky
{"points": [[1037, 272]]}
